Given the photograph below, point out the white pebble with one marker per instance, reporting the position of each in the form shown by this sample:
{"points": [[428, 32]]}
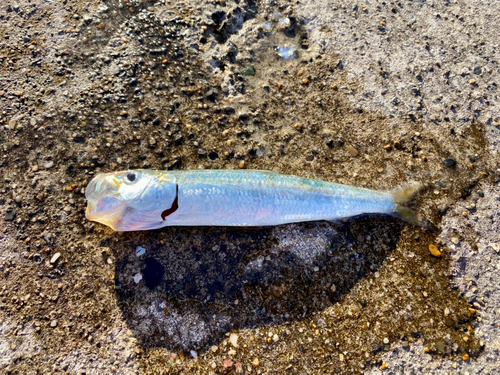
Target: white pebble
{"points": [[137, 278], [55, 257], [233, 339]]}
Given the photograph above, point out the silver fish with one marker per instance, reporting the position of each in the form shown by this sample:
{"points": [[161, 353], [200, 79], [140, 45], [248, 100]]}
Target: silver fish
{"points": [[147, 199]]}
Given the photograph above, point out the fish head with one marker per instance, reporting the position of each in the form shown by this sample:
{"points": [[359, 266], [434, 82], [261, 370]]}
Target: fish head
{"points": [[131, 200]]}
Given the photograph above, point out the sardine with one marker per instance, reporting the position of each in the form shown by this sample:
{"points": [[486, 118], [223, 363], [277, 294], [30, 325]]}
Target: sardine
{"points": [[148, 199]]}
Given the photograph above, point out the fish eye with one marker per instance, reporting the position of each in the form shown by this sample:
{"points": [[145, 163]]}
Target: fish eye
{"points": [[131, 177]]}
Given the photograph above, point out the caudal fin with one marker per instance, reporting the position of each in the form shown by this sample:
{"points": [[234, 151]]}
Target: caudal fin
{"points": [[404, 195]]}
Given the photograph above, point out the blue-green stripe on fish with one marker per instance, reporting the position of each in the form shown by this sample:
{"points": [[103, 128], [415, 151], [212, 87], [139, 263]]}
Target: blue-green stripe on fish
{"points": [[148, 199]]}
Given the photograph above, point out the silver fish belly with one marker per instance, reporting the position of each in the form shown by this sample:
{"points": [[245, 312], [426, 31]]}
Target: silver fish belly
{"points": [[146, 199]]}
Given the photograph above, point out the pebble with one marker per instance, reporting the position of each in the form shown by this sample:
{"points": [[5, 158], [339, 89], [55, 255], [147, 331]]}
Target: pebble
{"points": [[249, 71], [255, 362], [140, 251], [233, 339], [440, 346], [194, 354], [449, 162], [55, 257], [34, 168], [32, 121], [48, 165], [214, 348], [12, 124], [434, 251], [10, 215], [351, 150], [137, 278], [53, 323], [386, 340]]}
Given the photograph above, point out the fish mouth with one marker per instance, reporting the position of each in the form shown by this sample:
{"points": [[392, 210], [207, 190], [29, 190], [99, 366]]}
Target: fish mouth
{"points": [[103, 203]]}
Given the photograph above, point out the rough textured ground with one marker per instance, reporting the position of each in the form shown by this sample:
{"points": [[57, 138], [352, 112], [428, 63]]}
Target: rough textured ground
{"points": [[374, 94]]}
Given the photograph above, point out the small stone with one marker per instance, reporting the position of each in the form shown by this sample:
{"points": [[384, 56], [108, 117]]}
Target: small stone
{"points": [[231, 352], [275, 337], [214, 348], [10, 215], [455, 240], [53, 323], [351, 150], [12, 124], [34, 168], [178, 139], [242, 164], [449, 162], [249, 71], [55, 257], [202, 153], [434, 251], [478, 70], [139, 251], [48, 165], [101, 26], [233, 339], [440, 346], [446, 311], [386, 340], [137, 278], [449, 322], [255, 362], [32, 121], [193, 354], [465, 357]]}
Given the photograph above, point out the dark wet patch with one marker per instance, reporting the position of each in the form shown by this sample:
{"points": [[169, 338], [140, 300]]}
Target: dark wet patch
{"points": [[153, 273]]}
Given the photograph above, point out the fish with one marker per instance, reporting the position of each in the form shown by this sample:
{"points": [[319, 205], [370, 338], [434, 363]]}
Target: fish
{"points": [[141, 199]]}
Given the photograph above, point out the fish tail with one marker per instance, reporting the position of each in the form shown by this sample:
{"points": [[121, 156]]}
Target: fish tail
{"points": [[404, 195]]}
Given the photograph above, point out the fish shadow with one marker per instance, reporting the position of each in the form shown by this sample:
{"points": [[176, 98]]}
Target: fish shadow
{"points": [[200, 283]]}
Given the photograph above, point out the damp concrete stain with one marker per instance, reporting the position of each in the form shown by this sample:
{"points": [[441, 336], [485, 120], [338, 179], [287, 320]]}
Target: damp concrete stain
{"points": [[302, 298]]}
